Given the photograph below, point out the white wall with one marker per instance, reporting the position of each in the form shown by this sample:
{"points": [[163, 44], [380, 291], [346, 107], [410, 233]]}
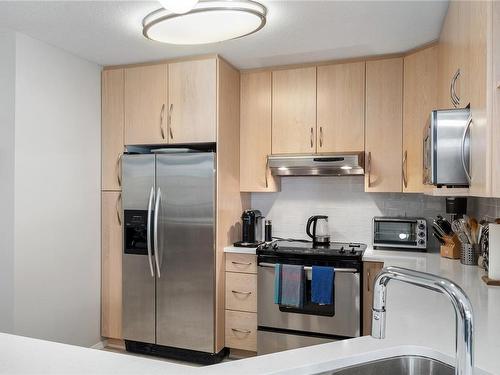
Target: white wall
{"points": [[57, 199], [7, 92], [343, 200]]}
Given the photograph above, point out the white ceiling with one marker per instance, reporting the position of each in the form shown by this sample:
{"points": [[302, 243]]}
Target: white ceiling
{"points": [[109, 32]]}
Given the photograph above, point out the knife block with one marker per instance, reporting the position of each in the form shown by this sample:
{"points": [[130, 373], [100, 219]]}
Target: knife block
{"points": [[451, 248]]}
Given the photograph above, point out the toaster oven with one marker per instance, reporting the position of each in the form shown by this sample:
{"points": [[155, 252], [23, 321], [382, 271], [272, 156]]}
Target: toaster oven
{"points": [[400, 233]]}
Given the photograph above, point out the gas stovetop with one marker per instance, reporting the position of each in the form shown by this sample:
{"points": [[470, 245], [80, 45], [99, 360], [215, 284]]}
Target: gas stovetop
{"points": [[302, 248]]}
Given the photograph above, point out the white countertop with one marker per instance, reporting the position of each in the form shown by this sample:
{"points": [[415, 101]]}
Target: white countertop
{"points": [[419, 322], [240, 250]]}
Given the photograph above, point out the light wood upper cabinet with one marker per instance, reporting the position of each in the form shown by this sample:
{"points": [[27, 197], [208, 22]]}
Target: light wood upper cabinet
{"points": [[294, 111], [112, 128], [420, 98], [341, 107], [111, 269], [384, 116], [145, 105], [496, 101], [255, 133], [192, 101]]}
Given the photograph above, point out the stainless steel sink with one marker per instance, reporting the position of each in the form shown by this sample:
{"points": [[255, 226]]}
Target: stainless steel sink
{"points": [[404, 365]]}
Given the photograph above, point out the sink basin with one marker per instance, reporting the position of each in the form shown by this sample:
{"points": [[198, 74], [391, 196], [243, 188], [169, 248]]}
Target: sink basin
{"points": [[404, 365]]}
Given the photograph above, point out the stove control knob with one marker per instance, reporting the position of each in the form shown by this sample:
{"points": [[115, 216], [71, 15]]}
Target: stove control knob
{"points": [[342, 251], [275, 246], [421, 234], [353, 250], [421, 242], [421, 226]]}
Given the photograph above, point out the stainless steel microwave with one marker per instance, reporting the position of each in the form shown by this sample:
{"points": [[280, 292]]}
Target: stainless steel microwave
{"points": [[446, 148], [400, 233]]}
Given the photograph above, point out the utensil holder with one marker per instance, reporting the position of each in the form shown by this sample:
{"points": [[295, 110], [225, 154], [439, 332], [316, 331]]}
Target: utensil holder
{"points": [[469, 254]]}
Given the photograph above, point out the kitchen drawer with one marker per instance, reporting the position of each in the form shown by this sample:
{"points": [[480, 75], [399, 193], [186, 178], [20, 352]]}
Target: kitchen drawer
{"points": [[241, 330], [241, 292], [246, 263]]}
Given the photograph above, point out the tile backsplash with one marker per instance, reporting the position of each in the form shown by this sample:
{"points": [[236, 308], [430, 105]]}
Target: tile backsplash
{"points": [[485, 208], [349, 208]]}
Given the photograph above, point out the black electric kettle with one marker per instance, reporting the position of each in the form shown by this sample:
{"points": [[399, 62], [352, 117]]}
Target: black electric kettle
{"points": [[319, 233]]}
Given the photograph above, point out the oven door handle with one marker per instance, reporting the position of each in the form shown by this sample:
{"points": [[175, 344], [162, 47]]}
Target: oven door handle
{"points": [[346, 270]]}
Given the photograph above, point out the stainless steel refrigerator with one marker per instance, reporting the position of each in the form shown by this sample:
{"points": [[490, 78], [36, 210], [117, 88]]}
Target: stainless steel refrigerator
{"points": [[169, 255]]}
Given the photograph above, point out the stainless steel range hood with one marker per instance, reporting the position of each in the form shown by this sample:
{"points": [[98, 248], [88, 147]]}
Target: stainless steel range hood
{"points": [[331, 164]]}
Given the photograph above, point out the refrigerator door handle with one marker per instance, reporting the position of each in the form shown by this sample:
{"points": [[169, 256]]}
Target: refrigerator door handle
{"points": [[155, 231], [150, 207]]}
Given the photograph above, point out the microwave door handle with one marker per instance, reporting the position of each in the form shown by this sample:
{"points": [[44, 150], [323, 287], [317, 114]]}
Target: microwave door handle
{"points": [[155, 231], [464, 136], [148, 234]]}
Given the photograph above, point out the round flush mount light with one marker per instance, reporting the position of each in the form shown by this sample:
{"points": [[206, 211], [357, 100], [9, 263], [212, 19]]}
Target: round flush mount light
{"points": [[209, 21]]}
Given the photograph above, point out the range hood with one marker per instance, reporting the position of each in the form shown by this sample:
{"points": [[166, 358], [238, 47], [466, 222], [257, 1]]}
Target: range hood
{"points": [[331, 164]]}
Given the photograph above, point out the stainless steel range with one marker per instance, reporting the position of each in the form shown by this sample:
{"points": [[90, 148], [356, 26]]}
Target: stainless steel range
{"points": [[282, 327]]}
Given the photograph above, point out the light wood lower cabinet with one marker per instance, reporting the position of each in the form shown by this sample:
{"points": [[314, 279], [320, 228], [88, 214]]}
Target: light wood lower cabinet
{"points": [[255, 133], [241, 330], [111, 265], [384, 125], [112, 128], [419, 98], [370, 271], [241, 301]]}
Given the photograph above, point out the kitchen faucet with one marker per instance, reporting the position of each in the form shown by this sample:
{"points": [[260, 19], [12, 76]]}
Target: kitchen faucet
{"points": [[460, 301]]}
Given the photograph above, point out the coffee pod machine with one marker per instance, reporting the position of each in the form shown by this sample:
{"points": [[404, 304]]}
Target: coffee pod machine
{"points": [[251, 234]]}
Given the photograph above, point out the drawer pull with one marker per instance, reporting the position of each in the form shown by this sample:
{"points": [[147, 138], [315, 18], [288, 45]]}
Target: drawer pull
{"points": [[239, 292], [242, 263], [246, 331]]}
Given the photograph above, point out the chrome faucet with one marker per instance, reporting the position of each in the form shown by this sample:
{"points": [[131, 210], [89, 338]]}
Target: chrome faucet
{"points": [[463, 310]]}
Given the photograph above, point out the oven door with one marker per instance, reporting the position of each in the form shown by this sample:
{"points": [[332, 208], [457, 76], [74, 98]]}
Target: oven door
{"points": [[346, 319]]}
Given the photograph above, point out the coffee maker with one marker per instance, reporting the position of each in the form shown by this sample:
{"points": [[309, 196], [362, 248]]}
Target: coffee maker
{"points": [[319, 233], [251, 229]]}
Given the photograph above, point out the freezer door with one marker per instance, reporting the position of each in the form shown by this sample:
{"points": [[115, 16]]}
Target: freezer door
{"points": [[138, 281], [185, 285]]}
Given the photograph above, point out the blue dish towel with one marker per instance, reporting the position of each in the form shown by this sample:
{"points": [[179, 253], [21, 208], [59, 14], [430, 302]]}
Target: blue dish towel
{"points": [[322, 284], [292, 285], [277, 283]]}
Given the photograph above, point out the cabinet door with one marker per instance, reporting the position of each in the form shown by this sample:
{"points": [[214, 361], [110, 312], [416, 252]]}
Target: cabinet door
{"points": [[192, 98], [111, 265], [112, 128], [145, 102], [255, 133], [448, 55], [341, 107], [496, 101], [384, 125], [370, 271], [294, 111], [478, 83], [420, 98]]}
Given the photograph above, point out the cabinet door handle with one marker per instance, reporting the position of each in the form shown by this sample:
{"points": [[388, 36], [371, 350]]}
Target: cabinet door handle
{"points": [[241, 263], [240, 292], [368, 280], [312, 135], [246, 331], [170, 121], [265, 172], [117, 207], [320, 136], [162, 112], [405, 169], [119, 169], [369, 169], [455, 99]]}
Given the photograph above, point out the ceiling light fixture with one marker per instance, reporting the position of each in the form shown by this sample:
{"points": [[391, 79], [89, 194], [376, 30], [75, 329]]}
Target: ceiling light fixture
{"points": [[178, 6], [209, 21]]}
